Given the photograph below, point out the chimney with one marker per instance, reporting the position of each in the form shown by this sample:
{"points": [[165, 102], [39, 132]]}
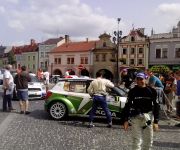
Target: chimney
{"points": [[66, 38], [33, 42]]}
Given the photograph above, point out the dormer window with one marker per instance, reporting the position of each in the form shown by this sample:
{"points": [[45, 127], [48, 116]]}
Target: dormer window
{"points": [[132, 38], [104, 44]]}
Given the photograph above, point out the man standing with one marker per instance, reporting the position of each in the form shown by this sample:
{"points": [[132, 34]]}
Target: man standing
{"points": [[97, 90], [143, 109], [177, 90], [46, 79], [156, 83], [8, 86], [21, 80]]}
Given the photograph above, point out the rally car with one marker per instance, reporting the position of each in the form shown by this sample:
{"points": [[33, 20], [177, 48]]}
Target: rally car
{"points": [[69, 97]]}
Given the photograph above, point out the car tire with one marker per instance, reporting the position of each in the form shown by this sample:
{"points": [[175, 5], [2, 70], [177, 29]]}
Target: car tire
{"points": [[58, 110]]}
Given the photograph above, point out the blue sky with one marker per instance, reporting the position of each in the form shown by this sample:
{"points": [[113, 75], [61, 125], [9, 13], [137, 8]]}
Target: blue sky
{"points": [[22, 20]]}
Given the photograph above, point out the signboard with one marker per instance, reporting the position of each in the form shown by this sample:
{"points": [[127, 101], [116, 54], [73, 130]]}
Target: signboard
{"points": [[160, 69]]}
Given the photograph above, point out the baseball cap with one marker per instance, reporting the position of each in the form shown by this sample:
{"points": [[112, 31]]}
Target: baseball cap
{"points": [[124, 70], [141, 75]]}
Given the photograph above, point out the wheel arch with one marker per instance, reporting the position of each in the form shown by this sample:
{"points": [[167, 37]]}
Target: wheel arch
{"points": [[70, 107]]}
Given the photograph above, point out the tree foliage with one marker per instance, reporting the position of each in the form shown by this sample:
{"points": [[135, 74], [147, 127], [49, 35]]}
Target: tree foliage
{"points": [[11, 58]]}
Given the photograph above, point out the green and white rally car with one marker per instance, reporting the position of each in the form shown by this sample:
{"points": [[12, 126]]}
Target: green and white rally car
{"points": [[69, 97]]}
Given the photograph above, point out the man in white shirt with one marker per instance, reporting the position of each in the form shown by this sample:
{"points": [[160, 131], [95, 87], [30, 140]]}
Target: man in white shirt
{"points": [[46, 79], [97, 90], [8, 86]]}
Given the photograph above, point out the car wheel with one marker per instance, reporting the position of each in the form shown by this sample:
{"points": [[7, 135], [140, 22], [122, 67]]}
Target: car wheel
{"points": [[58, 110]]}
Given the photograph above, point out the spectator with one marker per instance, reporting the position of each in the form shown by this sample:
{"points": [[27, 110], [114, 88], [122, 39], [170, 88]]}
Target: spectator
{"points": [[168, 90], [8, 86], [21, 80], [177, 90], [46, 79], [125, 78], [156, 83], [142, 109], [40, 74]]}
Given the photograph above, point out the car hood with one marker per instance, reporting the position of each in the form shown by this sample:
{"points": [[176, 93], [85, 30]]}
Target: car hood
{"points": [[34, 85]]}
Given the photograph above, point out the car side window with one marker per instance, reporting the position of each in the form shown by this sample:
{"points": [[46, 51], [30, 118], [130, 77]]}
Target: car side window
{"points": [[77, 87]]}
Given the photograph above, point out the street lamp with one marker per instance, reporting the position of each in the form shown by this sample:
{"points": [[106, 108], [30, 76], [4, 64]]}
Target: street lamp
{"points": [[116, 40]]}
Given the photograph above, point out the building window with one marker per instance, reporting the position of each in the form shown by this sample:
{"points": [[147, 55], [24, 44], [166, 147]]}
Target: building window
{"points": [[46, 54], [42, 64], [132, 51], [124, 51], [158, 53], [131, 61], [97, 57], [70, 60], [132, 38], [141, 50], [42, 55], [84, 60], [33, 57], [164, 52], [177, 55], [104, 44], [55, 60], [103, 57], [123, 61], [59, 60], [29, 58], [140, 61], [33, 66]]}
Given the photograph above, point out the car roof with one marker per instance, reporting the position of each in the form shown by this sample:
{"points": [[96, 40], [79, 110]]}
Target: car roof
{"points": [[76, 79]]}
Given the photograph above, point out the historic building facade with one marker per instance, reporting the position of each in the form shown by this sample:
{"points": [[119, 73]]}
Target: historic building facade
{"points": [[134, 50], [165, 49]]}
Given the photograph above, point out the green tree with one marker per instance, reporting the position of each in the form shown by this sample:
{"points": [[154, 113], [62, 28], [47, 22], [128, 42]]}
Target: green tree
{"points": [[11, 58]]}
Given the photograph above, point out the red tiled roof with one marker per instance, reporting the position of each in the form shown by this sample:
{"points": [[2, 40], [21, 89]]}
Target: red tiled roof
{"points": [[136, 32], [75, 47], [52, 41], [25, 48]]}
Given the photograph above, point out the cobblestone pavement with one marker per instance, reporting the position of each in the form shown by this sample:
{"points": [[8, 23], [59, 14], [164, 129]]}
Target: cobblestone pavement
{"points": [[37, 131]]}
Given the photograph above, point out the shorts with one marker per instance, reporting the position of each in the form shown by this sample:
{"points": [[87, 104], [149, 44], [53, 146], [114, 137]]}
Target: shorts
{"points": [[22, 95]]}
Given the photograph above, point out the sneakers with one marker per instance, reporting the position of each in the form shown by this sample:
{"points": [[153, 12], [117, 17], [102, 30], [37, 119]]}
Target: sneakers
{"points": [[21, 112], [91, 125], [109, 125], [27, 112]]}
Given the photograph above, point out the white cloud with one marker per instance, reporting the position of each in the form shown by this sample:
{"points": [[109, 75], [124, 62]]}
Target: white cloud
{"points": [[60, 17], [2, 9], [16, 24], [13, 1], [167, 15], [169, 9]]}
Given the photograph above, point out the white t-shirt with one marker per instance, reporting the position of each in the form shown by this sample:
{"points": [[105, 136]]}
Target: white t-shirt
{"points": [[46, 75], [7, 75]]}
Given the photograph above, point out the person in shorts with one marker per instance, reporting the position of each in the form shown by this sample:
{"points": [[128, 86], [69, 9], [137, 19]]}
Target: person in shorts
{"points": [[21, 80]]}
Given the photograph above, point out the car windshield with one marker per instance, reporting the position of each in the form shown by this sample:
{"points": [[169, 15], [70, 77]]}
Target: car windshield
{"points": [[117, 91], [34, 78]]}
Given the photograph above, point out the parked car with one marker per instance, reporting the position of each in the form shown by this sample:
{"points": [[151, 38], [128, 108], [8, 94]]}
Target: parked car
{"points": [[69, 97], [36, 88]]}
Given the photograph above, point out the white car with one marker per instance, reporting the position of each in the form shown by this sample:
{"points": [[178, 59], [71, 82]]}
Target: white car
{"points": [[36, 88]]}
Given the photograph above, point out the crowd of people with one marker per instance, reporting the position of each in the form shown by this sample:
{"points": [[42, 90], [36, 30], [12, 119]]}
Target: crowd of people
{"points": [[141, 110]]}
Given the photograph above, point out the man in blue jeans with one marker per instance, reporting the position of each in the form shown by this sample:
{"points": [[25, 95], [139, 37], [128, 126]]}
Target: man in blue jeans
{"points": [[97, 90]]}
